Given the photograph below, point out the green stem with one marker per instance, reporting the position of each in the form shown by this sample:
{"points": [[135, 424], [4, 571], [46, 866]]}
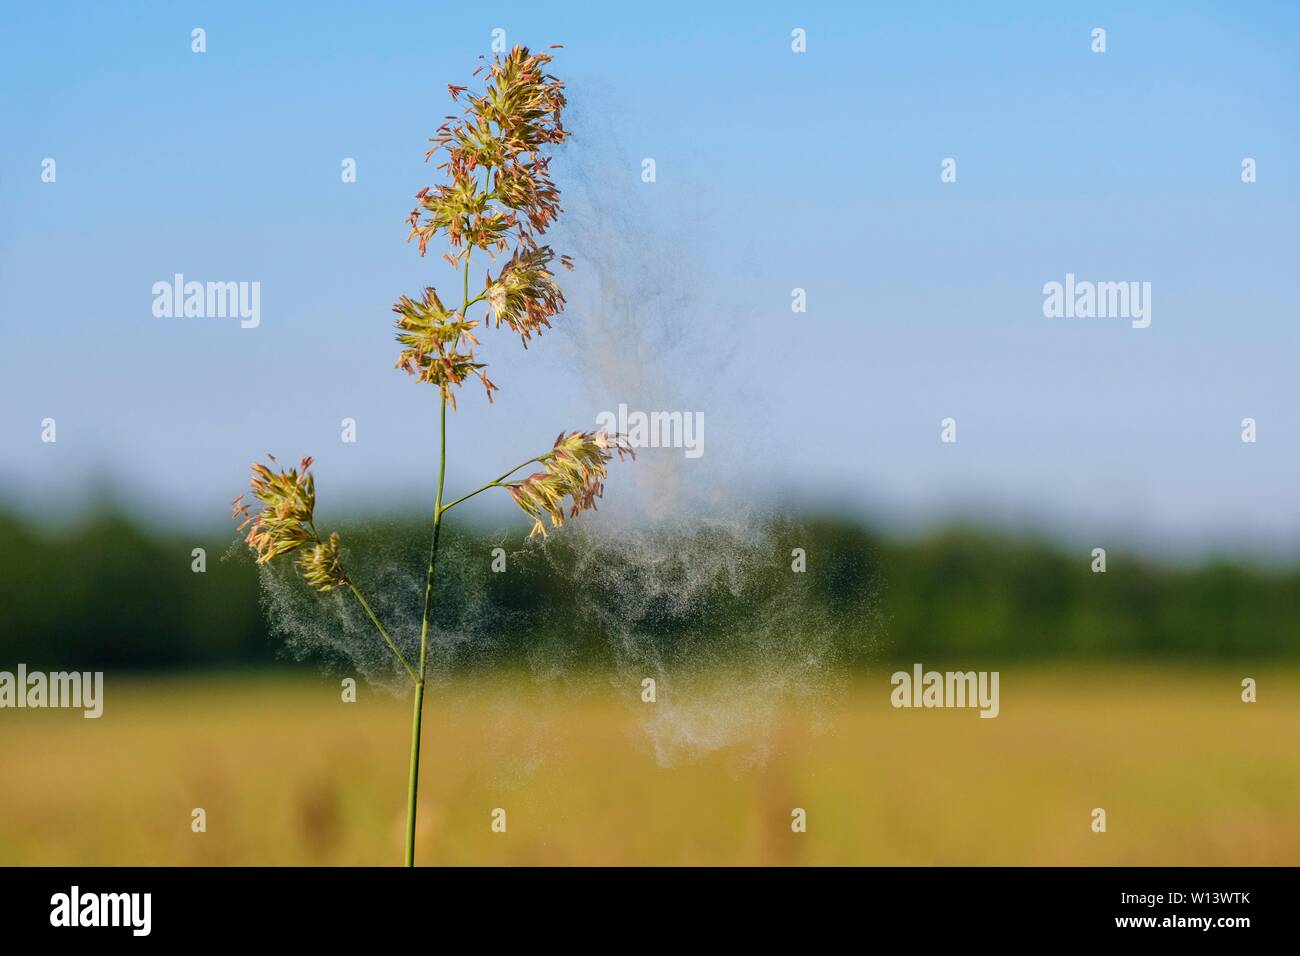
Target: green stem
{"points": [[496, 483], [417, 713], [374, 620], [383, 633], [414, 782], [417, 708]]}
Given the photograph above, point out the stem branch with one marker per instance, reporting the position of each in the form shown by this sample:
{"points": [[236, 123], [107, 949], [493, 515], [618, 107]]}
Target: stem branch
{"points": [[383, 633], [495, 483]]}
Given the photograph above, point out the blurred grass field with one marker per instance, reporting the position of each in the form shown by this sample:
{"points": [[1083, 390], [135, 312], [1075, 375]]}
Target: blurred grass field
{"points": [[289, 774]]}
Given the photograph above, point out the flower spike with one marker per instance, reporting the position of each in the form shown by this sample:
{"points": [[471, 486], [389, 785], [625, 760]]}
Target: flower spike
{"points": [[575, 468], [285, 523]]}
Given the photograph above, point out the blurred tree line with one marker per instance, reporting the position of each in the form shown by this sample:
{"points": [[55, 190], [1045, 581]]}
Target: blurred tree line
{"points": [[109, 594]]}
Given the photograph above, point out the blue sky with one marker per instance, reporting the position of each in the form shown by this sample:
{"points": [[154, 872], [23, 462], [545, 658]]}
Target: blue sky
{"points": [[775, 171]]}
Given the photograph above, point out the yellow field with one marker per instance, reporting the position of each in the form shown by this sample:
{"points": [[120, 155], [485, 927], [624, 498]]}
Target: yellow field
{"points": [[289, 774]]}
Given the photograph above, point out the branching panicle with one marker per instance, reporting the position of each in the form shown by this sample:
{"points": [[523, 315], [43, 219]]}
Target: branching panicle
{"points": [[499, 194], [498, 198]]}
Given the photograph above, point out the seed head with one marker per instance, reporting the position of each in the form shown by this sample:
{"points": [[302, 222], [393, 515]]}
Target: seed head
{"points": [[321, 565], [575, 468], [284, 523], [498, 195], [430, 336], [502, 132], [525, 296]]}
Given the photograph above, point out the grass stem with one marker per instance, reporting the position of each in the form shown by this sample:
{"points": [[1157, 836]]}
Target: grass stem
{"points": [[384, 634]]}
